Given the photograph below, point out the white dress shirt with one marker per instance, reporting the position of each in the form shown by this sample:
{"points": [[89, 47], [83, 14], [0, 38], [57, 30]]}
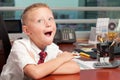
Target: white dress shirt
{"points": [[24, 52]]}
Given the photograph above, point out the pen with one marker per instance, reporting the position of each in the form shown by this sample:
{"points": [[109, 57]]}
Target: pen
{"points": [[112, 43], [84, 54]]}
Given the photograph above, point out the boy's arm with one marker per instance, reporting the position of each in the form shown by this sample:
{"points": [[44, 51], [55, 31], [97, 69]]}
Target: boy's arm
{"points": [[58, 65], [70, 67]]}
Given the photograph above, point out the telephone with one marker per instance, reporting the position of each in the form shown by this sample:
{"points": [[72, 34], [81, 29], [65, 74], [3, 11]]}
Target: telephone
{"points": [[65, 35]]}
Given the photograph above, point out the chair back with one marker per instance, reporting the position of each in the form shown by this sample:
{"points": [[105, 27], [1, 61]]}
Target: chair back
{"points": [[5, 38]]}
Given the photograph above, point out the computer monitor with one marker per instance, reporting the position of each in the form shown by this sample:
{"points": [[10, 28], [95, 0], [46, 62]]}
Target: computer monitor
{"points": [[13, 26]]}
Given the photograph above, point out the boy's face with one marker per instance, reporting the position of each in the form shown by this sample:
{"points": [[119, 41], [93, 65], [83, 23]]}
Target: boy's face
{"points": [[40, 27]]}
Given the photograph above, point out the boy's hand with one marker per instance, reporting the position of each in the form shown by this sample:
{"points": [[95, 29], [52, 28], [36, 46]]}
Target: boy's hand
{"points": [[66, 56]]}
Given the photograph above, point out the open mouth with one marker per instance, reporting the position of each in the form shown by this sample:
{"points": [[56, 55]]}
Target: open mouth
{"points": [[48, 33]]}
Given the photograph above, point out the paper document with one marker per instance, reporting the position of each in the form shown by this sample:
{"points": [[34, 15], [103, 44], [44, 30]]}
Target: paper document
{"points": [[85, 64]]}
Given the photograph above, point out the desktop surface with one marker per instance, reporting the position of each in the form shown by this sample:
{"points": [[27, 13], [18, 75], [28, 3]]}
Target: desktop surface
{"points": [[92, 74]]}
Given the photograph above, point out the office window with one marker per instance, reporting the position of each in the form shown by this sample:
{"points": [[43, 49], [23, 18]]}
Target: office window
{"points": [[104, 3], [64, 14]]}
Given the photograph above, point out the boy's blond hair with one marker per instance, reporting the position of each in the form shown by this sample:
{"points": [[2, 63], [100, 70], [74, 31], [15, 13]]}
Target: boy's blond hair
{"points": [[29, 9]]}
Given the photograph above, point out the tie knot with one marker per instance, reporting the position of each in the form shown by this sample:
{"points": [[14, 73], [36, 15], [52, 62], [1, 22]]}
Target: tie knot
{"points": [[43, 54]]}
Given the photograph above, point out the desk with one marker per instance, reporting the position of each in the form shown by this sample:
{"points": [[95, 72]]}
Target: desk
{"points": [[94, 74], [91, 74]]}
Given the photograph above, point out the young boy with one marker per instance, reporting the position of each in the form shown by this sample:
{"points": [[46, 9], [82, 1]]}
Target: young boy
{"points": [[22, 64]]}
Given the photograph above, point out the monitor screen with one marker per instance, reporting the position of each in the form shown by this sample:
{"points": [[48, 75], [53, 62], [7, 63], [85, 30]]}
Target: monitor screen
{"points": [[13, 26]]}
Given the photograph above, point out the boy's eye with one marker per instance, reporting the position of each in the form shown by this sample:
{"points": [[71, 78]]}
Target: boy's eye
{"points": [[51, 18], [40, 20]]}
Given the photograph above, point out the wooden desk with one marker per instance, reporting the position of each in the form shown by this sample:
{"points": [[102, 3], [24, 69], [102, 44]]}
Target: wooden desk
{"points": [[63, 77], [92, 74]]}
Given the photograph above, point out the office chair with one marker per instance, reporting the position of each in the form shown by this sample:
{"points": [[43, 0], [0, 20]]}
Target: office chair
{"points": [[5, 38]]}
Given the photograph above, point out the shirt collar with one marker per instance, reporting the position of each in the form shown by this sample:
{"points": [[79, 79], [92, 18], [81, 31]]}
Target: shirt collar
{"points": [[36, 49]]}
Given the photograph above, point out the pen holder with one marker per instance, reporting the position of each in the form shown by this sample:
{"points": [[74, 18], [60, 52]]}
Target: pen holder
{"points": [[105, 50]]}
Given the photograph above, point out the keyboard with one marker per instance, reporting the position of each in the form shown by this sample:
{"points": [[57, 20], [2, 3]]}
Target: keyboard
{"points": [[113, 64]]}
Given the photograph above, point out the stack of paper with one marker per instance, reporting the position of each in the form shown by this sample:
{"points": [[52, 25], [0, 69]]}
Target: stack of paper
{"points": [[85, 64]]}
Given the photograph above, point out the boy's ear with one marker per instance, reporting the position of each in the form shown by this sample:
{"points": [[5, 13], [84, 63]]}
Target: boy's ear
{"points": [[26, 29]]}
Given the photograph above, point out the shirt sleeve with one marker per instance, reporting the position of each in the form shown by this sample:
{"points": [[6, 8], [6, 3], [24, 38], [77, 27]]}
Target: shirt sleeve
{"points": [[21, 54]]}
